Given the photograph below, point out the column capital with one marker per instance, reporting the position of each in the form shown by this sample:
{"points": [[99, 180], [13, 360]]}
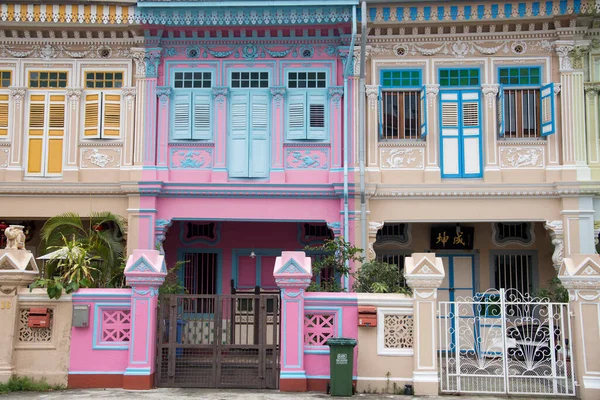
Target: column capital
{"points": [[220, 93], [335, 94], [161, 227], [372, 92], [432, 90], [555, 229], [146, 61], [591, 89], [163, 93], [129, 93], [571, 54], [17, 93], [374, 227], [490, 91], [278, 94], [74, 94]]}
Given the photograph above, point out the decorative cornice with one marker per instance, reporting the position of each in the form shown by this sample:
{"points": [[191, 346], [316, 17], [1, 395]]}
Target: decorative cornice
{"points": [[80, 14]]}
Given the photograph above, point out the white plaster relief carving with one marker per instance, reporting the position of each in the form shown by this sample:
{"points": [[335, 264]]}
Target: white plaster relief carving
{"points": [[372, 92], [101, 159], [3, 158], [555, 228], [521, 157], [17, 93], [401, 158], [432, 91], [490, 91]]}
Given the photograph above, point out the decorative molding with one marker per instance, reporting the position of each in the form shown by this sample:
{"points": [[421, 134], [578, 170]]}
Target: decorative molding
{"points": [[101, 159], [555, 228], [146, 61], [307, 158], [372, 92], [191, 158], [74, 95], [220, 94], [518, 241], [278, 94], [75, 14], [490, 92], [335, 94], [592, 89], [374, 227], [557, 87], [17, 94], [161, 226], [401, 158], [129, 93], [432, 91], [163, 93], [521, 157]]}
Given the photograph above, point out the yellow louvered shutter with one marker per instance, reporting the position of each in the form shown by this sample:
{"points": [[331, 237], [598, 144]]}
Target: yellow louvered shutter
{"points": [[56, 133], [35, 144], [91, 127], [3, 115], [111, 108]]}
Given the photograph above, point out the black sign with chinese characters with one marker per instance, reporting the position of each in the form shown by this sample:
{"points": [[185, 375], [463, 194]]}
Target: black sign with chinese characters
{"points": [[451, 238]]}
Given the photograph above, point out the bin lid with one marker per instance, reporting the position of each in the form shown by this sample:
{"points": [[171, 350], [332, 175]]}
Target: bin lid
{"points": [[341, 342]]}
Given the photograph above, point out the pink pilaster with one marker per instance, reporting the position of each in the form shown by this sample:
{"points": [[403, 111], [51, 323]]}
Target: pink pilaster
{"points": [[277, 110], [292, 274], [219, 173], [162, 146], [145, 272]]}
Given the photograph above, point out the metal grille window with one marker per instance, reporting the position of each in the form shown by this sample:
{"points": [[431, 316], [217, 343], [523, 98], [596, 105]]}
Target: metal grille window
{"points": [[307, 80], [401, 114], [200, 277], [513, 271], [521, 113], [394, 259], [107, 80], [249, 79], [192, 80], [5, 79], [47, 80], [453, 77]]}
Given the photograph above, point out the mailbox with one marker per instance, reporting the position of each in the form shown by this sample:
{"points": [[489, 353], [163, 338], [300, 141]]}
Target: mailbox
{"points": [[367, 316], [81, 315], [38, 318]]}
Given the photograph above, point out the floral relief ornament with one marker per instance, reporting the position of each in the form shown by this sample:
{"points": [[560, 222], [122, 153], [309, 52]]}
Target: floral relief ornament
{"points": [[372, 92], [520, 157], [17, 93], [99, 159], [490, 91], [401, 158]]}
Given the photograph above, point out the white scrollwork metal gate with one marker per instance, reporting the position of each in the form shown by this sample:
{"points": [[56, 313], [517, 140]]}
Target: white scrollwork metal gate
{"points": [[505, 342]]}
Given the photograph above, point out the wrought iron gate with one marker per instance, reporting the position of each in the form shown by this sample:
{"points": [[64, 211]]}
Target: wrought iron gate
{"points": [[218, 341], [505, 342]]}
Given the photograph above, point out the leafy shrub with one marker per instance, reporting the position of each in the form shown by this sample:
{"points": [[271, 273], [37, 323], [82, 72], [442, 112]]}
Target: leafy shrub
{"points": [[379, 277]]}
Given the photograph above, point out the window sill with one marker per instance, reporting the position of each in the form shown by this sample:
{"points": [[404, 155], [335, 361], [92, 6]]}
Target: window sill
{"points": [[190, 143], [512, 142], [100, 142], [402, 143]]}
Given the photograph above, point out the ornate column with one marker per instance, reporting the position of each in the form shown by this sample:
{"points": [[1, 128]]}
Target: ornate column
{"points": [[220, 156], [593, 127], [128, 95], [572, 107], [490, 144], [17, 270], [372, 126], [292, 272], [161, 228], [278, 130], [374, 227], [162, 146], [580, 275], [555, 229], [145, 272], [146, 74], [73, 132], [335, 94], [432, 164], [424, 273], [17, 136]]}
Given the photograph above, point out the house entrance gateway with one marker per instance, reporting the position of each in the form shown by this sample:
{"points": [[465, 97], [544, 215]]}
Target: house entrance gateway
{"points": [[218, 341], [505, 342]]}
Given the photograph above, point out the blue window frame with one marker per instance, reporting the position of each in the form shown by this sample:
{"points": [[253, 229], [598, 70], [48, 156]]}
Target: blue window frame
{"points": [[402, 108], [192, 106], [459, 77], [525, 106], [306, 112]]}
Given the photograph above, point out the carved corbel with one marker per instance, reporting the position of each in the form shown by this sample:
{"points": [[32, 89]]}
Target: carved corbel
{"points": [[278, 94], [163, 93], [160, 233], [591, 90], [490, 91], [17, 94], [555, 228], [146, 61], [372, 92], [335, 94], [128, 93], [374, 227], [431, 91], [220, 94]]}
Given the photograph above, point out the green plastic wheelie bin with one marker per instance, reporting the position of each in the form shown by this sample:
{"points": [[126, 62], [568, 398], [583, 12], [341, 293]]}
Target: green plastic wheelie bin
{"points": [[341, 358]]}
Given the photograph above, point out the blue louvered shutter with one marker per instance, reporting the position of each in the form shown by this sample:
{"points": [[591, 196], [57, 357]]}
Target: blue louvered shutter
{"points": [[238, 134], [449, 134], [317, 116], [260, 159], [548, 120], [470, 148], [500, 111], [202, 116], [423, 105], [296, 116], [182, 118]]}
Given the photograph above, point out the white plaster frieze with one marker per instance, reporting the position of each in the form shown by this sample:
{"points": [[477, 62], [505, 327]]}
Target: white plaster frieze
{"points": [[105, 158], [521, 157], [401, 158]]}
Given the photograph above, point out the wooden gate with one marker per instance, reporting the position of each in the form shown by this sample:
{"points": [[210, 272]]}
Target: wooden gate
{"points": [[218, 341]]}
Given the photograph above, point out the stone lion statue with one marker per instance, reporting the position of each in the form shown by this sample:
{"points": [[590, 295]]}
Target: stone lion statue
{"points": [[15, 238]]}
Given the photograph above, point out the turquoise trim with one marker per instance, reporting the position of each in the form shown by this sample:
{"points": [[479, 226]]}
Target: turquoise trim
{"points": [[219, 281], [401, 78], [520, 76], [548, 127], [96, 372], [98, 308], [466, 77]]}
